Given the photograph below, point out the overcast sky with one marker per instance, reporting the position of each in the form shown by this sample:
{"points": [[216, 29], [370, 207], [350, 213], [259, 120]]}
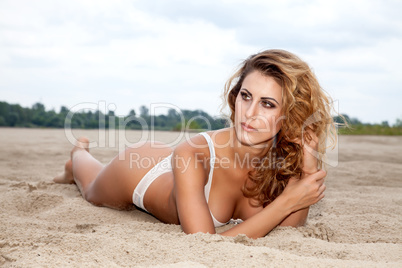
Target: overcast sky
{"points": [[133, 53]]}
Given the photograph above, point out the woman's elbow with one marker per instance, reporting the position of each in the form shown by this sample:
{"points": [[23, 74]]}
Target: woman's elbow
{"points": [[296, 219]]}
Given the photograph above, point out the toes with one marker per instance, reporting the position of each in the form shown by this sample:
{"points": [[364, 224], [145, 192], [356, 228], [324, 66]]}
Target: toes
{"points": [[83, 142], [59, 178], [67, 175], [64, 179]]}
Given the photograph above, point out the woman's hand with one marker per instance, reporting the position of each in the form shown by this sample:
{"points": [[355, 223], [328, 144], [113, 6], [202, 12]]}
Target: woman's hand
{"points": [[302, 193], [298, 194]]}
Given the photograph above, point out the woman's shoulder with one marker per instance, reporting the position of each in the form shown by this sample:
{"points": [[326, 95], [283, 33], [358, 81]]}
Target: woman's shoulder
{"points": [[194, 144], [201, 142]]}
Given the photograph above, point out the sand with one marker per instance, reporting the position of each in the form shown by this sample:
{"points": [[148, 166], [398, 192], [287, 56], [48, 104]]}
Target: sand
{"points": [[357, 224]]}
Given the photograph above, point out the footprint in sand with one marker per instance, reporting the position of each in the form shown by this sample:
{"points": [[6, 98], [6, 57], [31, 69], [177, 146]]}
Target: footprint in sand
{"points": [[318, 230], [35, 202], [85, 228]]}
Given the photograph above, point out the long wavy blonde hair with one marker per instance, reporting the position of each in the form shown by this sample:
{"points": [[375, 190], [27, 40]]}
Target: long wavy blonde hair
{"points": [[306, 109]]}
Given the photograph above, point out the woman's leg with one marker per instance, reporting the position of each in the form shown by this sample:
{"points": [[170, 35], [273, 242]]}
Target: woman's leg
{"points": [[82, 168], [110, 185]]}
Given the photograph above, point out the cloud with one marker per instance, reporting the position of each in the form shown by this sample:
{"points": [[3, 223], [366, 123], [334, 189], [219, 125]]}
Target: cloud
{"points": [[136, 52], [335, 24]]}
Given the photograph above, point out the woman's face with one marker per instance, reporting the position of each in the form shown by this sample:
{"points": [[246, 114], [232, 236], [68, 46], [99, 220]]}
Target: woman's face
{"points": [[258, 109]]}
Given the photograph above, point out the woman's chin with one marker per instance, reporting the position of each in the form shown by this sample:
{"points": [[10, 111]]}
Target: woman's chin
{"points": [[253, 139]]}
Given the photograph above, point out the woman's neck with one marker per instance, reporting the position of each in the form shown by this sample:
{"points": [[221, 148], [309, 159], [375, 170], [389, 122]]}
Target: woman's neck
{"points": [[248, 153]]}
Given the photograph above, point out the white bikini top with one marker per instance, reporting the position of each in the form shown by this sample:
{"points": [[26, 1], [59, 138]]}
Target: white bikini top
{"points": [[207, 187]]}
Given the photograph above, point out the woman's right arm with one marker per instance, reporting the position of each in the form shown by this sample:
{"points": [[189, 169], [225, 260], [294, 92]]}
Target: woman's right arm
{"points": [[189, 173], [298, 194]]}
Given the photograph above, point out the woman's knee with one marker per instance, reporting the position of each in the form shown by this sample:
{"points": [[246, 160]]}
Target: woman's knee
{"points": [[92, 196], [112, 187]]}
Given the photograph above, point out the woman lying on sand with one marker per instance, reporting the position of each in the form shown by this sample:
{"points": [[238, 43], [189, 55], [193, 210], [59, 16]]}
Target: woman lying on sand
{"points": [[262, 170]]}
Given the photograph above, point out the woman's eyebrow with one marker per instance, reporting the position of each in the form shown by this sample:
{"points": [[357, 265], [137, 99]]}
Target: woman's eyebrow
{"points": [[263, 98], [269, 98]]}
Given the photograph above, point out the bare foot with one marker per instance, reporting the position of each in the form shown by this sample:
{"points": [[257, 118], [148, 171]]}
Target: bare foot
{"points": [[82, 143], [67, 176]]}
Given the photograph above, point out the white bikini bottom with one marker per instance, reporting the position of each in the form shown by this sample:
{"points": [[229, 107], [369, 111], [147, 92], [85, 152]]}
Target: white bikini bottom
{"points": [[162, 167]]}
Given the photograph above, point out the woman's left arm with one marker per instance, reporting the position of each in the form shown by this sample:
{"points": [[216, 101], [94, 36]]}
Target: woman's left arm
{"points": [[298, 195], [296, 219]]}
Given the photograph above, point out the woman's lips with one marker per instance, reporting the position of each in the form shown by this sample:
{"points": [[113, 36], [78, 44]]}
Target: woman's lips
{"points": [[247, 128]]}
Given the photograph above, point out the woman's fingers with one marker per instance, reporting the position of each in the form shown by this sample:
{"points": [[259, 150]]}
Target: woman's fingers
{"points": [[318, 187], [321, 196], [319, 193], [307, 191], [322, 189], [319, 175]]}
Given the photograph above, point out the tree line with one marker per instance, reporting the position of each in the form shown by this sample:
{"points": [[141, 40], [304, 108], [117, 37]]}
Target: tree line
{"points": [[353, 126], [13, 115]]}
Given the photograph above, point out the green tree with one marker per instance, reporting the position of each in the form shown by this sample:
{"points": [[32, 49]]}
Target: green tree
{"points": [[385, 124], [144, 111], [398, 123], [12, 119], [132, 112], [2, 121]]}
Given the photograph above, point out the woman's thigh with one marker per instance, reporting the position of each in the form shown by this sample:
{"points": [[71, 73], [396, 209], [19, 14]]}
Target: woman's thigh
{"points": [[115, 184]]}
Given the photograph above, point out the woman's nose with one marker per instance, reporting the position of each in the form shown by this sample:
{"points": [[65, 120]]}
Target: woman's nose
{"points": [[252, 110]]}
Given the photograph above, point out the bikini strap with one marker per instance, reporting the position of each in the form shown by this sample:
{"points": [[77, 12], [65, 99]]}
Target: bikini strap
{"points": [[207, 188]]}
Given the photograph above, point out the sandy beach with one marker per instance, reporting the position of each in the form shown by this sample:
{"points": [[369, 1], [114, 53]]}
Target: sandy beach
{"points": [[43, 224]]}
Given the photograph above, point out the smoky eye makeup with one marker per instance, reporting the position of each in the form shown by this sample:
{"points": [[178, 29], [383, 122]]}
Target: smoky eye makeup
{"points": [[244, 95], [267, 104], [265, 101]]}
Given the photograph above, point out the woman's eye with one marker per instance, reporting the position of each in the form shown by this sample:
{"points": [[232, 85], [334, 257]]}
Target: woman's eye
{"points": [[245, 96], [267, 104]]}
